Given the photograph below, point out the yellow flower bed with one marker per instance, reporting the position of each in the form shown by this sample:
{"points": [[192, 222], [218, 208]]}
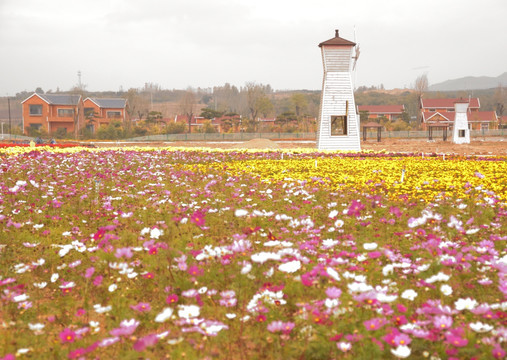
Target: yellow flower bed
{"points": [[423, 178]]}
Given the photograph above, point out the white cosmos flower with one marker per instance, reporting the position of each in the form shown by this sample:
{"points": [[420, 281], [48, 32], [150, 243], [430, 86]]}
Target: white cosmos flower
{"points": [[230, 316], [240, 213], [264, 256], [344, 346], [40, 285], [164, 315], [333, 273], [102, 309], [247, 267], [290, 267], [401, 352], [446, 289], [480, 327], [359, 287], [155, 233], [462, 304], [338, 223], [388, 269], [409, 295], [36, 326], [188, 311], [333, 214], [438, 277], [370, 246], [112, 287], [19, 298]]}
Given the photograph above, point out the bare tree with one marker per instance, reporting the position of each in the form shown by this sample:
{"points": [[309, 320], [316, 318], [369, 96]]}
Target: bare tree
{"points": [[256, 96], [187, 107], [420, 87]]}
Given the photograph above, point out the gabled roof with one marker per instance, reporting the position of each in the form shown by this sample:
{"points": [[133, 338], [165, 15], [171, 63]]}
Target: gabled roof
{"points": [[382, 109], [428, 115], [337, 41], [115, 103], [57, 99], [447, 103]]}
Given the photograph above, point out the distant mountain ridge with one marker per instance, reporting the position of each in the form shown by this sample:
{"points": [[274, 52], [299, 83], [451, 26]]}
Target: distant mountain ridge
{"points": [[471, 83]]}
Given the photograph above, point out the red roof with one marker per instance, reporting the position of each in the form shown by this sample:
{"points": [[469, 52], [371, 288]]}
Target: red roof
{"points": [[382, 109], [447, 103], [449, 115], [337, 41], [482, 116]]}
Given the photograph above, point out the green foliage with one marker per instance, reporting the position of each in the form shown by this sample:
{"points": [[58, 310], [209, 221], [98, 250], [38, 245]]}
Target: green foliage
{"points": [[176, 128], [209, 113]]}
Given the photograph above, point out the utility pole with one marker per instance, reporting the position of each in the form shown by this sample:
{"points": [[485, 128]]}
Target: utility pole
{"points": [[9, 107]]}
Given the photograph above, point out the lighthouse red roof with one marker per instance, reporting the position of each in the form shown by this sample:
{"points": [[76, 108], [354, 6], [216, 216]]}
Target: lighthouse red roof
{"points": [[337, 41]]}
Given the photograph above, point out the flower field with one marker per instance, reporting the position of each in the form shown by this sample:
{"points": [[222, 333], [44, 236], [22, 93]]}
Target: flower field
{"points": [[198, 254]]}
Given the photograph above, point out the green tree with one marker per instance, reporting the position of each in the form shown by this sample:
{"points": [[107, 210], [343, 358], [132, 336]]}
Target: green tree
{"points": [[209, 113], [154, 117]]}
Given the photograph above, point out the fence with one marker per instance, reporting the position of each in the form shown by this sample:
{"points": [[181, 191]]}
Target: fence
{"points": [[409, 134]]}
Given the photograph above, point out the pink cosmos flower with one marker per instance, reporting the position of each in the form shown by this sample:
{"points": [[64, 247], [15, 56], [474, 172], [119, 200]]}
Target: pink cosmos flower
{"points": [[77, 353], [182, 262], [455, 340], [148, 340], [98, 280], [355, 208], [194, 270], [333, 292], [127, 327], [172, 299], [280, 326], [67, 336], [374, 324], [141, 307], [498, 352], [198, 218], [123, 252], [442, 322], [89, 272], [401, 340]]}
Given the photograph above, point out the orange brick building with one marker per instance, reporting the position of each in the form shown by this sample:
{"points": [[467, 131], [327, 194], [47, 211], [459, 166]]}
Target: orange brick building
{"points": [[52, 112], [100, 112]]}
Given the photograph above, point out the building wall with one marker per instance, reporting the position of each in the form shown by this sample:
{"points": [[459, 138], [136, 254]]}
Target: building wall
{"points": [[49, 119]]}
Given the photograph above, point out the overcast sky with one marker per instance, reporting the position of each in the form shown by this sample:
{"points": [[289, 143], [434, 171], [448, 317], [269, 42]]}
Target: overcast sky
{"points": [[205, 43]]}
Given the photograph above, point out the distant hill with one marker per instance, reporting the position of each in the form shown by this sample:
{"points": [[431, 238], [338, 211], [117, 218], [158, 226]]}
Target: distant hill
{"points": [[470, 83]]}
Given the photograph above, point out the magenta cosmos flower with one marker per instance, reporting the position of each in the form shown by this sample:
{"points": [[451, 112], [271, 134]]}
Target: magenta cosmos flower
{"points": [[67, 336]]}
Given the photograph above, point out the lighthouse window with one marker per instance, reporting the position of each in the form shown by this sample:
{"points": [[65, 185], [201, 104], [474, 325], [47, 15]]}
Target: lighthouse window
{"points": [[461, 133], [338, 125]]}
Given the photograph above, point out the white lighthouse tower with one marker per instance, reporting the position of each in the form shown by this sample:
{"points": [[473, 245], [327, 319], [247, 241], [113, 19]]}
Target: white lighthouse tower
{"points": [[338, 122], [461, 132]]}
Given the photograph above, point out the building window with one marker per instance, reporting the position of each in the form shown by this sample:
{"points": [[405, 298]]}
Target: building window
{"points": [[461, 133], [35, 110], [35, 126], [484, 126], [114, 114], [338, 125], [431, 110], [89, 111], [90, 128], [65, 112]]}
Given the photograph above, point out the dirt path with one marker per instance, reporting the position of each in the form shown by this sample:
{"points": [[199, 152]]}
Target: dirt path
{"points": [[491, 146]]}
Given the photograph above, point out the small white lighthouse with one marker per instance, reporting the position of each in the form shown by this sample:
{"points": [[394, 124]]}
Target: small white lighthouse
{"points": [[461, 132], [338, 122]]}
